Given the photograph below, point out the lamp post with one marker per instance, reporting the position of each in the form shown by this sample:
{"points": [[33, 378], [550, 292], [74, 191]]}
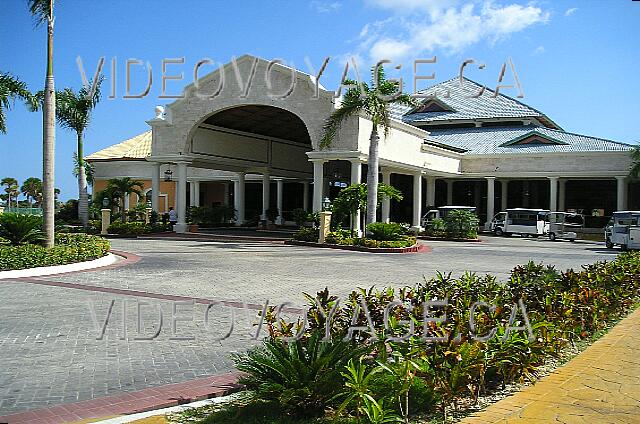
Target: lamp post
{"points": [[326, 204], [106, 216]]}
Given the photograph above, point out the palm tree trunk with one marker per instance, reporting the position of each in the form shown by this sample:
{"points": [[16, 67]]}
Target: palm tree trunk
{"points": [[372, 176], [83, 196], [48, 143]]}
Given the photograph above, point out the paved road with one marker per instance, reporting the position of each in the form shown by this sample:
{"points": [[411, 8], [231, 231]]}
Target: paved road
{"points": [[48, 347]]}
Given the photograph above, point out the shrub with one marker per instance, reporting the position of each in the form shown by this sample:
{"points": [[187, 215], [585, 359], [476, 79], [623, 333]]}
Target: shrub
{"points": [[135, 228], [69, 248], [20, 229], [307, 234], [461, 224], [383, 231], [272, 214], [302, 375], [300, 216], [436, 228]]}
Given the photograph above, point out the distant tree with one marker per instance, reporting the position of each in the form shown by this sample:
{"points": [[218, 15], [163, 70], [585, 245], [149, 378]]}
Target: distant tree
{"points": [[32, 189], [11, 189], [11, 88], [635, 165], [121, 187]]}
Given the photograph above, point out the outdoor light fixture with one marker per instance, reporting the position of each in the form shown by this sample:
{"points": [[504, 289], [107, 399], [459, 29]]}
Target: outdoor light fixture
{"points": [[167, 175], [326, 203], [105, 203]]}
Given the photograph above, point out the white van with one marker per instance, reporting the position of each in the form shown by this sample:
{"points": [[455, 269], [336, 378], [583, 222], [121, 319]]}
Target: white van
{"points": [[623, 230], [442, 212], [519, 221], [563, 225]]}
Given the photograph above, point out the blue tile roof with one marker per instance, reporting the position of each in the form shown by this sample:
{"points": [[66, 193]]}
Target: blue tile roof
{"points": [[491, 140], [465, 107]]}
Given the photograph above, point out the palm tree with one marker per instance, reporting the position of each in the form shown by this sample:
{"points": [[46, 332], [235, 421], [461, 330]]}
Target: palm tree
{"points": [[73, 111], [42, 11], [10, 89], [31, 188], [122, 187], [374, 102], [11, 189]]}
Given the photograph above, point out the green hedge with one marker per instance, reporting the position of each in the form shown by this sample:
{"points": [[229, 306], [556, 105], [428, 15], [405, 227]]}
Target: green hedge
{"points": [[136, 228], [69, 248]]}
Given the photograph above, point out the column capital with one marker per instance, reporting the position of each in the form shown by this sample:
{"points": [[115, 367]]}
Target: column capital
{"points": [[490, 178], [319, 160], [554, 178], [621, 177]]}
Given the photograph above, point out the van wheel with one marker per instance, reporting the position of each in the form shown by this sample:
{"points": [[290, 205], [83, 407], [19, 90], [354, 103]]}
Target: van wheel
{"points": [[572, 240], [608, 244], [534, 235], [498, 231], [624, 247], [552, 236]]}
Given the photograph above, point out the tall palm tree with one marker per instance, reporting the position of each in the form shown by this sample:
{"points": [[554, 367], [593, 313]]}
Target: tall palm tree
{"points": [[42, 11], [31, 188], [374, 103], [123, 187], [11, 189], [10, 89], [73, 111]]}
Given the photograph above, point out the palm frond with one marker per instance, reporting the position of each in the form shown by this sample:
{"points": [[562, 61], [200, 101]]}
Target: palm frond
{"points": [[41, 10]]}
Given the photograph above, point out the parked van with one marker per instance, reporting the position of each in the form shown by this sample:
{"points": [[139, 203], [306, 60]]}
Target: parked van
{"points": [[442, 212], [623, 230], [519, 221]]}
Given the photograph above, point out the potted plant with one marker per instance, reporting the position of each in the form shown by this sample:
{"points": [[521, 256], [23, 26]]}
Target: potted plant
{"points": [[197, 214]]}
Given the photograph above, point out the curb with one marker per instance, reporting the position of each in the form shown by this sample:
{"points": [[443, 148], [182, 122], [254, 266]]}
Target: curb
{"points": [[133, 402], [108, 260]]}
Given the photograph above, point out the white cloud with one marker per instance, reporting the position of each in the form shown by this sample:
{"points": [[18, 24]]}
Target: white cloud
{"points": [[443, 25], [325, 6], [571, 11], [539, 50]]}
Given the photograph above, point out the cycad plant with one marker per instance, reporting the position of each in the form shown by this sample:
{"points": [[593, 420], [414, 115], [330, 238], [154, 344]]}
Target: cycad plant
{"points": [[20, 229], [372, 101], [301, 375]]}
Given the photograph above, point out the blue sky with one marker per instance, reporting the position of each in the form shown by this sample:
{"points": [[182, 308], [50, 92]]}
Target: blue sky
{"points": [[577, 61]]}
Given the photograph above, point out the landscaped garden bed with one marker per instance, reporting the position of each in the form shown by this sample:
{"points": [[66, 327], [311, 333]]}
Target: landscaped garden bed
{"points": [[457, 225], [20, 247], [136, 228], [419, 353]]}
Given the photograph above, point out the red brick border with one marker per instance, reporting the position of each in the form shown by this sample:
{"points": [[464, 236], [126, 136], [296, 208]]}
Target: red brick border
{"points": [[132, 402]]}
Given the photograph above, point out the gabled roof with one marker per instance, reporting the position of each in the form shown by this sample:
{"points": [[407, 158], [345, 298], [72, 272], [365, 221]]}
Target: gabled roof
{"points": [[532, 138], [465, 107], [504, 140], [138, 147]]}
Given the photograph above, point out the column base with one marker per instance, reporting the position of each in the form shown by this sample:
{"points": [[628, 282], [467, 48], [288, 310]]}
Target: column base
{"points": [[416, 229], [180, 228]]}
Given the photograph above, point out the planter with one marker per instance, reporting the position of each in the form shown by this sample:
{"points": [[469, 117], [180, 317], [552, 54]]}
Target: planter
{"points": [[193, 228], [416, 248], [475, 240]]}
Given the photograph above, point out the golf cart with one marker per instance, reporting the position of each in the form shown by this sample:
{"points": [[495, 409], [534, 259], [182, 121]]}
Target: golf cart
{"points": [[563, 225], [623, 230], [526, 222], [442, 212]]}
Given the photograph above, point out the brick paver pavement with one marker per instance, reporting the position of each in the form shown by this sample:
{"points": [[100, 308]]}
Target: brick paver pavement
{"points": [[601, 385]]}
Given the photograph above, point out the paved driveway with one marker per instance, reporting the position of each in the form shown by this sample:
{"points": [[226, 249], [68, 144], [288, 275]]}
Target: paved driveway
{"points": [[49, 349]]}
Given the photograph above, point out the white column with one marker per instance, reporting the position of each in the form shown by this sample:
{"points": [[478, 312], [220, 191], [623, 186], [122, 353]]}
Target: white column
{"points": [[491, 200], [553, 194], [356, 177], [126, 202], [622, 193], [266, 193], [386, 202], [279, 192], [192, 193], [431, 191], [449, 192], [181, 226], [196, 193], [155, 187], [305, 195], [227, 193], [318, 184], [238, 198], [562, 194], [417, 198], [504, 185]]}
